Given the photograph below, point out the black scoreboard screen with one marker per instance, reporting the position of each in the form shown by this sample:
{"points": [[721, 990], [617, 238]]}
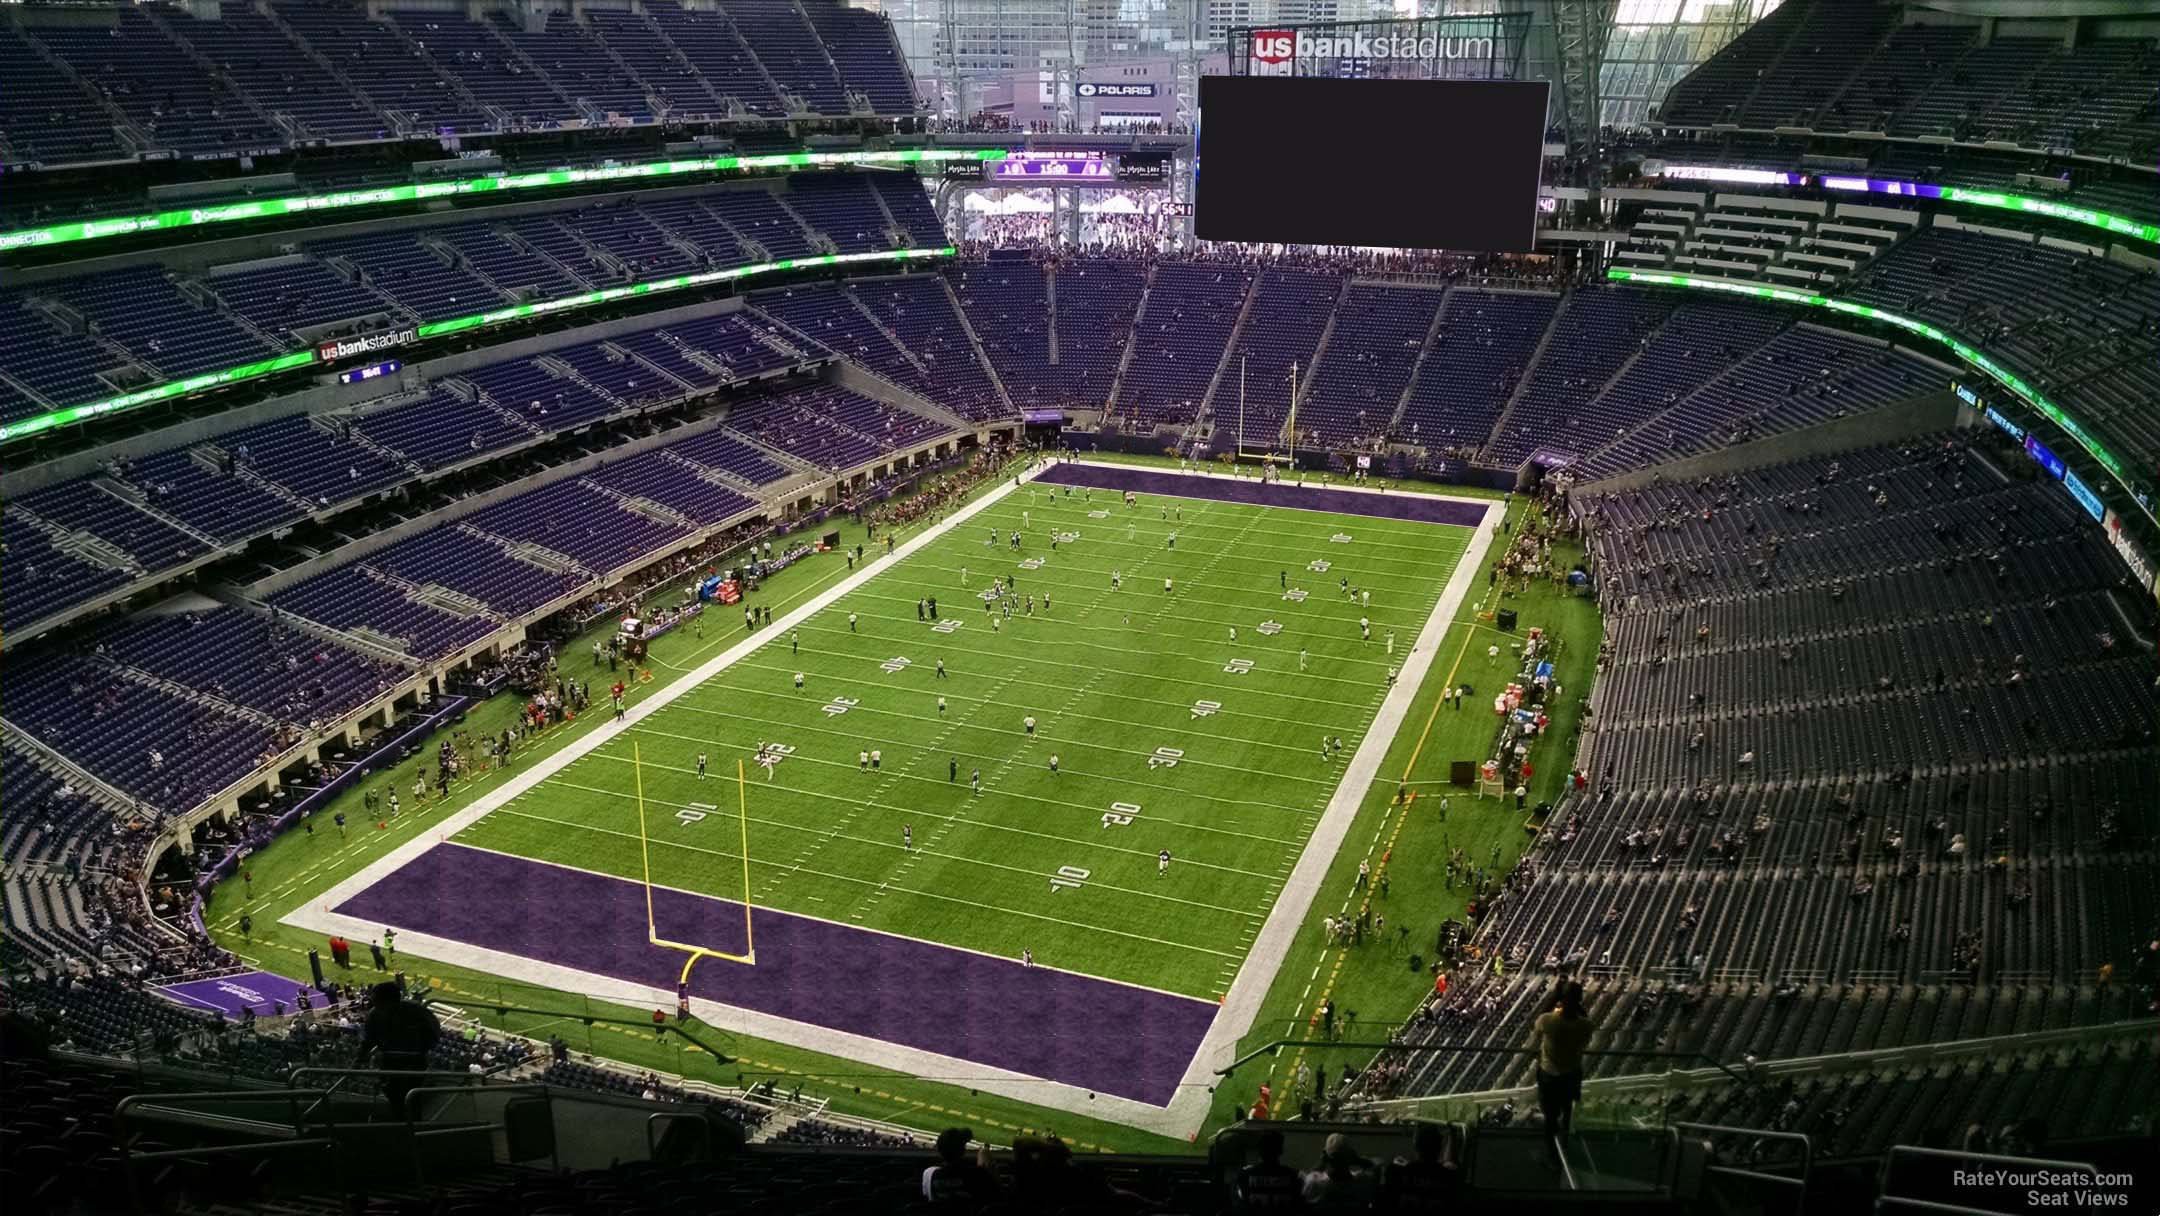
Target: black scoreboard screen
{"points": [[1406, 164]]}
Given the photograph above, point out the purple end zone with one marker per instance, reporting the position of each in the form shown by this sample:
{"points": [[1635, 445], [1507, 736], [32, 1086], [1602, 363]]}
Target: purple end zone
{"points": [[1418, 508], [1092, 1033]]}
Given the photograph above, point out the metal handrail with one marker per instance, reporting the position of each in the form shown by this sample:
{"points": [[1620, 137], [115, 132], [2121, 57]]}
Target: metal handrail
{"points": [[1807, 1153], [1471, 1049]]}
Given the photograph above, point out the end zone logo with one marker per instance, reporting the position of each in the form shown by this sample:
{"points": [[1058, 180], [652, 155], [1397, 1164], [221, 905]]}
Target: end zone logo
{"points": [[1274, 46]]}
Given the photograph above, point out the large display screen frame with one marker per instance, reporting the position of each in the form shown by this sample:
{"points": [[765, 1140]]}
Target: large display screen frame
{"points": [[1468, 179]]}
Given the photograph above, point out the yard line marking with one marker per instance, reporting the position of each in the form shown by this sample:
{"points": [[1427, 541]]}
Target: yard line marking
{"points": [[795, 865], [1081, 774], [1171, 726], [822, 727]]}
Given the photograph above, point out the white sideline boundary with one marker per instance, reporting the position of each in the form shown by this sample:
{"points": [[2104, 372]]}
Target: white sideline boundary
{"points": [[1186, 1111]]}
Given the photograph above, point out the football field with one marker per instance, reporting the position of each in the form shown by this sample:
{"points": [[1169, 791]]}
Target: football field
{"points": [[1198, 674]]}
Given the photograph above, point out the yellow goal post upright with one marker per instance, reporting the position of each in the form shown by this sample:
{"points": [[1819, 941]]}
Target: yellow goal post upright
{"points": [[652, 927]]}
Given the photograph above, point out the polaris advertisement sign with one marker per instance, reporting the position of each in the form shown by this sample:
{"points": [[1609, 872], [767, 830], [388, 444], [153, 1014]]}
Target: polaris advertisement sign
{"points": [[1116, 90]]}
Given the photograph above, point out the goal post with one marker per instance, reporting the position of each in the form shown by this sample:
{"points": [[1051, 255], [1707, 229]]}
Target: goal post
{"points": [[695, 952]]}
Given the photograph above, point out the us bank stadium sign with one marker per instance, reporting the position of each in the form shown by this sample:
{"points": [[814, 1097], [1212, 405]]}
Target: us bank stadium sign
{"points": [[346, 347], [1484, 46]]}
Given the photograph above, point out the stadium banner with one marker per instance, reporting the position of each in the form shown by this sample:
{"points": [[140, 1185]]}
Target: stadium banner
{"points": [[2116, 468], [313, 355], [261, 992], [2141, 567], [1144, 167], [1116, 90], [422, 192], [1481, 46], [2084, 496]]}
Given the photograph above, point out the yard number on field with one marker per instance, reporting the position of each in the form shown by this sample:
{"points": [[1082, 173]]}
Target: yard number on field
{"points": [[1270, 628], [1295, 595], [840, 705], [1121, 814], [1033, 563], [694, 812], [893, 664], [1340, 538], [1238, 667], [1202, 709], [1319, 565], [772, 754], [947, 625], [1067, 876], [1166, 757]]}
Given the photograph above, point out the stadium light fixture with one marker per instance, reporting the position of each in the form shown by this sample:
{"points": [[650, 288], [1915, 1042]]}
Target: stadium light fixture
{"points": [[1958, 346], [493, 183], [331, 351]]}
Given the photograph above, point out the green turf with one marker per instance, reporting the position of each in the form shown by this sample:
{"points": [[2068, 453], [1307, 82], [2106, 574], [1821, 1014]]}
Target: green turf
{"points": [[1112, 675], [293, 869]]}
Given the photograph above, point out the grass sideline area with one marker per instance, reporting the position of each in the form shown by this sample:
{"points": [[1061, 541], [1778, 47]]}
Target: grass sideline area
{"points": [[1368, 979]]}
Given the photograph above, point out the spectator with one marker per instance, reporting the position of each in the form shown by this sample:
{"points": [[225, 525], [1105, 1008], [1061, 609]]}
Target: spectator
{"points": [[398, 1034], [1342, 1182], [957, 1181], [1427, 1184], [1561, 1035], [1268, 1185]]}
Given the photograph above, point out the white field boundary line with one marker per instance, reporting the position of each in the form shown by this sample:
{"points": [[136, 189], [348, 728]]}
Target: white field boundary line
{"points": [[316, 915], [1241, 1005], [1233, 1018]]}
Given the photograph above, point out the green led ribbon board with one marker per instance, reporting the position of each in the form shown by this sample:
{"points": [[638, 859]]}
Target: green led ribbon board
{"points": [[344, 200], [1970, 354], [302, 358]]}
